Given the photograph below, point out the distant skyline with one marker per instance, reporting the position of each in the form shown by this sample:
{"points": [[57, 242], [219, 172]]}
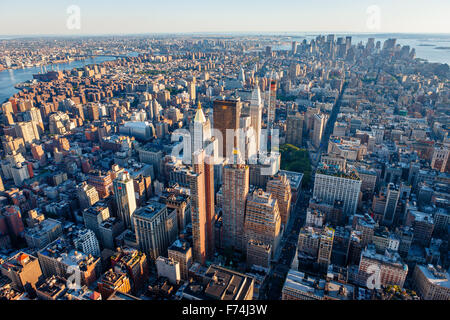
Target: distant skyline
{"points": [[103, 17]]}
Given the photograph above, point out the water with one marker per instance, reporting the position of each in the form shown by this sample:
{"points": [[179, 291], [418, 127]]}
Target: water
{"points": [[9, 78], [428, 52]]}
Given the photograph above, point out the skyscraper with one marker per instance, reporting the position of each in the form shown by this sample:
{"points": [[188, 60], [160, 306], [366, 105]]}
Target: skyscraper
{"points": [[125, 199], [262, 219], [294, 129], [200, 130], [271, 106], [152, 235], [392, 197], [198, 207], [280, 188], [226, 116], [235, 191], [256, 115], [331, 184]]}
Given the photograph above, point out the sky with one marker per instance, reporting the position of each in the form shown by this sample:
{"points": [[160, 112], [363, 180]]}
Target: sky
{"points": [[51, 17]]}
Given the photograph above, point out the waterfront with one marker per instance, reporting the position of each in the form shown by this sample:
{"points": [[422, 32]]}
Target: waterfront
{"points": [[9, 78], [425, 45]]}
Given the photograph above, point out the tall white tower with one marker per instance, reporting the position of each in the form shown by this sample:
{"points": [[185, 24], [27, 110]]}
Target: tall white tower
{"points": [[256, 107]]}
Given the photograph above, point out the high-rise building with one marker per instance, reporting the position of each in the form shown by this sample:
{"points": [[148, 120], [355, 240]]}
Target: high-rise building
{"points": [[94, 216], [262, 219], [28, 131], [151, 230], [331, 184], [226, 115], [13, 220], [256, 107], [392, 197], [294, 129], [200, 130], [86, 241], [181, 252], [191, 91], [271, 103], [319, 127], [235, 191], [198, 208], [125, 199], [87, 195], [168, 268], [280, 188]]}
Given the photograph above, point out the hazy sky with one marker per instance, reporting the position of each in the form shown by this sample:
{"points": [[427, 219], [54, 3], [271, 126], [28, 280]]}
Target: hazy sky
{"points": [[168, 16]]}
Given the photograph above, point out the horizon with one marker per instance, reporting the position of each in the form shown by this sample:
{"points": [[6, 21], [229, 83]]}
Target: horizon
{"points": [[82, 17]]}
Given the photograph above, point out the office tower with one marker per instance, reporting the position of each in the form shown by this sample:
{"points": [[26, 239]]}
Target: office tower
{"points": [[13, 219], [226, 115], [200, 130], [87, 195], [23, 270], [271, 103], [125, 199], [319, 127], [242, 76], [94, 216], [198, 207], [168, 268], [294, 48], [280, 188], [392, 197], [256, 107], [210, 205], [259, 253], [180, 203], [150, 228], [262, 219], [422, 224], [181, 252], [109, 229], [331, 184], [191, 91], [235, 191], [294, 129]]}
